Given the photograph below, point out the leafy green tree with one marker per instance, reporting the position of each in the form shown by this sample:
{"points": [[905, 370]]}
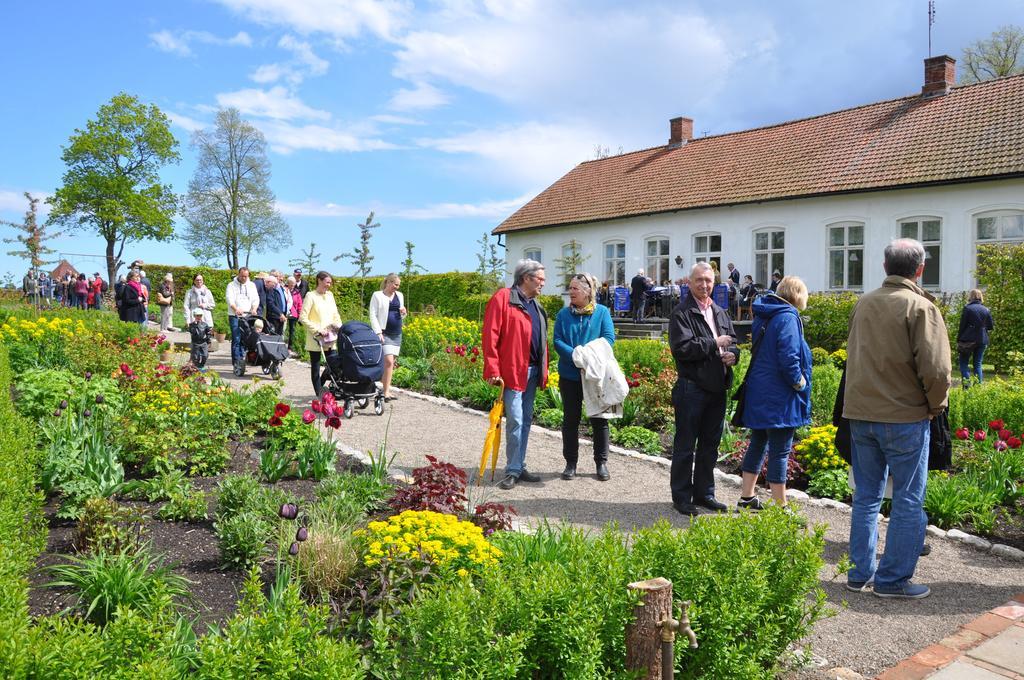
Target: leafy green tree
{"points": [[409, 266], [1002, 54], [112, 183], [360, 255], [34, 237], [570, 263], [1001, 273], [490, 264], [309, 263], [229, 207]]}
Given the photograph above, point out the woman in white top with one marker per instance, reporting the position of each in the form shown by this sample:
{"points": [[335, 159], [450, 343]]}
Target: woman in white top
{"points": [[199, 298], [387, 309]]}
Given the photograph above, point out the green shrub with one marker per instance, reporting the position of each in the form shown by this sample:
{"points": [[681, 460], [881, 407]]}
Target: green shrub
{"points": [[186, 506], [345, 498], [236, 493], [827, 319], [638, 355], [550, 417], [105, 526], [1000, 272], [404, 377], [995, 398], [820, 356], [242, 538], [824, 388], [831, 483], [40, 392], [639, 438]]}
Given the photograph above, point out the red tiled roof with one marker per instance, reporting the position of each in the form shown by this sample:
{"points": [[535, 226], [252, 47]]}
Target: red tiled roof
{"points": [[975, 131]]}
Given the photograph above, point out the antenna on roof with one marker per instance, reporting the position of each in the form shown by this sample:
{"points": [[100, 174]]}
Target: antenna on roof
{"points": [[704, 133], [931, 22]]}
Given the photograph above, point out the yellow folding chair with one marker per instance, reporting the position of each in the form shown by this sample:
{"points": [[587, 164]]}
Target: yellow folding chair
{"points": [[492, 442]]}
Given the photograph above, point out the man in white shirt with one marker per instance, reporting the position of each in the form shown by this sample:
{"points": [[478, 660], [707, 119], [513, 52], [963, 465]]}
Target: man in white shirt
{"points": [[243, 300]]}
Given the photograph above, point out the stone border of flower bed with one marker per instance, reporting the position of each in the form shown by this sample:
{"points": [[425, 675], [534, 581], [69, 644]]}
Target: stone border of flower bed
{"points": [[977, 542]]}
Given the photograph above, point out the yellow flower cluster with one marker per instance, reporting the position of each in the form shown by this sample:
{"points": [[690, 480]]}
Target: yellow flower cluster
{"points": [[444, 540], [15, 330], [817, 451], [434, 333], [553, 379], [839, 357]]}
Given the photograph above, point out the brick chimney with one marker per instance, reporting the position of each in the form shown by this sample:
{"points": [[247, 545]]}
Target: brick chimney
{"points": [[939, 75], [680, 132]]}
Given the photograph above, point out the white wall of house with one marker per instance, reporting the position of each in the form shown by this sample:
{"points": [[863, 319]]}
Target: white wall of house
{"points": [[807, 225]]}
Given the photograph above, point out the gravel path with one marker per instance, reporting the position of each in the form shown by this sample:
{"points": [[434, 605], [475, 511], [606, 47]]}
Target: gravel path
{"points": [[867, 634]]}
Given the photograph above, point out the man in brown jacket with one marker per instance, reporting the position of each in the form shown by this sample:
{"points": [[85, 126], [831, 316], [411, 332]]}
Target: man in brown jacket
{"points": [[897, 378]]}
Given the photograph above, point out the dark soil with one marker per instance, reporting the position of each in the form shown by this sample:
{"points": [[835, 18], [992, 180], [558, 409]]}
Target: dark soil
{"points": [[191, 547]]}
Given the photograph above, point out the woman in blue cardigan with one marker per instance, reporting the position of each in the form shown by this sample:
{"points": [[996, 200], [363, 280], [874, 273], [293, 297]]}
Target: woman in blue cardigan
{"points": [[576, 325], [778, 388]]}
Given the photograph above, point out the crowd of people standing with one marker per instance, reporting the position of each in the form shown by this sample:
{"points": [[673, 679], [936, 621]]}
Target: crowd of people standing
{"points": [[74, 290]]}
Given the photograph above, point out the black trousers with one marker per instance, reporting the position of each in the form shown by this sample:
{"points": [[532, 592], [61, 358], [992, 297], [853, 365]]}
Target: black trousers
{"points": [[315, 371], [291, 331], [572, 411], [699, 419]]}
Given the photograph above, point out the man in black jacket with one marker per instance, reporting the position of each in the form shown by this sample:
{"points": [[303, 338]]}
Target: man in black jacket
{"points": [[704, 347], [638, 296], [275, 305]]}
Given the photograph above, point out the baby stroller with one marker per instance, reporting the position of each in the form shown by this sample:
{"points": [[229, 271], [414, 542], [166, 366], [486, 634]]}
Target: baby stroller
{"points": [[262, 349], [353, 371]]}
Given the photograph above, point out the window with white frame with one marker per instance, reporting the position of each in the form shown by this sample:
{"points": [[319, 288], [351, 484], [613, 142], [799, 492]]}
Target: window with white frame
{"points": [[769, 254], [846, 256], [657, 260], [532, 253], [615, 263], [999, 226], [708, 248], [927, 230]]}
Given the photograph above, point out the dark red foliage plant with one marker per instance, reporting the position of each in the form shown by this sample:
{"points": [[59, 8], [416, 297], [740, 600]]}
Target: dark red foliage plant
{"points": [[493, 517], [438, 486]]}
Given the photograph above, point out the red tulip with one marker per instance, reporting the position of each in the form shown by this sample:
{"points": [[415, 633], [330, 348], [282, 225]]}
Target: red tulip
{"points": [[1005, 434], [472, 359], [328, 399], [281, 410], [334, 421], [996, 424], [979, 435], [316, 406], [1013, 442], [963, 433], [275, 421], [308, 416], [1000, 445], [329, 410]]}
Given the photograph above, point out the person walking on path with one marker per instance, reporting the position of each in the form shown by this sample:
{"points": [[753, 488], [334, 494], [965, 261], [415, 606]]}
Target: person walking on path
{"points": [[321, 320], [582, 322], [703, 345], [130, 308], [972, 336], [897, 379], [243, 300], [199, 298], [638, 295], [294, 309], [387, 309], [515, 350], [779, 375]]}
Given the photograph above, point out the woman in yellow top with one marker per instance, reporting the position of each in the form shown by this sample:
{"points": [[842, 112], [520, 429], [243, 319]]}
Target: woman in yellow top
{"points": [[320, 318]]}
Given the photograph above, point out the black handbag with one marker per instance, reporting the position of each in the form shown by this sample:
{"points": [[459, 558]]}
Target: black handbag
{"points": [[966, 346], [740, 395]]}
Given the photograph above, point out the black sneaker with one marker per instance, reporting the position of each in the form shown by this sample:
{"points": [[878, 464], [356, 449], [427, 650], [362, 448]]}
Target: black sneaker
{"points": [[527, 476], [508, 483], [750, 504]]}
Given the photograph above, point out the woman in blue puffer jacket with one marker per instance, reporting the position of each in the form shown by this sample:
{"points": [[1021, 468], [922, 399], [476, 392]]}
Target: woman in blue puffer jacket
{"points": [[778, 388]]}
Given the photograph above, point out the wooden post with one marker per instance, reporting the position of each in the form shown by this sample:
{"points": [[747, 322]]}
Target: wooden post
{"points": [[643, 635]]}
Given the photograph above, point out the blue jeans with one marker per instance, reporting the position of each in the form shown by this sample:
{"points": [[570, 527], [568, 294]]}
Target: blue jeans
{"points": [[971, 358], [881, 449], [236, 339], [778, 442], [518, 415], [699, 417]]}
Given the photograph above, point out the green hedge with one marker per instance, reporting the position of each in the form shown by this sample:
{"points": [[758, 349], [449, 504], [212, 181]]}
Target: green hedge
{"points": [[1000, 273], [827, 319]]}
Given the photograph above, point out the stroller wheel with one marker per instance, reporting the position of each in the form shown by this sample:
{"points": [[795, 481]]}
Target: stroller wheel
{"points": [[275, 372], [348, 408], [266, 370], [239, 369], [362, 403], [378, 406]]}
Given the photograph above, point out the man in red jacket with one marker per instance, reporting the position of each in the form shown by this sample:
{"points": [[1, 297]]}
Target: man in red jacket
{"points": [[515, 347]]}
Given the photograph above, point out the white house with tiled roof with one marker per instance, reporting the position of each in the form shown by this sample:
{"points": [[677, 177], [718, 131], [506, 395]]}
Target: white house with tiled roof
{"points": [[819, 197]]}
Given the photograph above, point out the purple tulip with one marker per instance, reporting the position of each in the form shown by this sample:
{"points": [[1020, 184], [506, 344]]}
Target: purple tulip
{"points": [[99, 398], [302, 534], [294, 549], [288, 511], [86, 413], [56, 413], [88, 375], [63, 404]]}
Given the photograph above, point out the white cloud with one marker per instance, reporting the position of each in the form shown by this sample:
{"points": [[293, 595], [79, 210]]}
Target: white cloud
{"points": [[423, 96], [177, 42], [389, 119], [15, 201], [304, 63], [285, 138], [532, 153], [184, 122], [436, 211], [277, 102], [343, 19]]}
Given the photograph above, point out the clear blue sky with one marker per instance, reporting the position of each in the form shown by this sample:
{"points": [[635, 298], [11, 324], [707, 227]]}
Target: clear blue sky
{"points": [[443, 116]]}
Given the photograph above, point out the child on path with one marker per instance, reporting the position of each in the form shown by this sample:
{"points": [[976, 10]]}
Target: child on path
{"points": [[201, 334]]}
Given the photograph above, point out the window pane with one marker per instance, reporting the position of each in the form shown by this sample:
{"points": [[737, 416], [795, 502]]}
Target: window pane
{"points": [[715, 242], [908, 230], [856, 235], [761, 269], [930, 277], [566, 251], [663, 247], [778, 239], [986, 228], [930, 230], [620, 272], [761, 240], [620, 250], [855, 270], [779, 263], [663, 270], [1013, 226], [700, 244], [652, 248], [835, 268], [837, 236], [609, 251]]}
